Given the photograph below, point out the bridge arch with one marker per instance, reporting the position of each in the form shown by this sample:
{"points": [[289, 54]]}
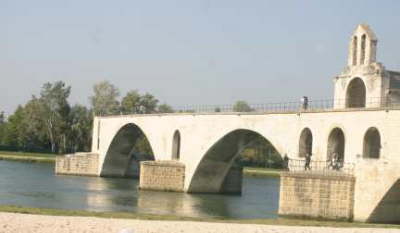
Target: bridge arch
{"points": [[128, 147], [305, 143], [356, 94], [215, 164], [176, 145], [336, 144], [372, 144]]}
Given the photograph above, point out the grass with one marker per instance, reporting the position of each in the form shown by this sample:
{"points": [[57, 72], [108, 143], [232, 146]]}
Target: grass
{"points": [[261, 172], [127, 215], [27, 157]]}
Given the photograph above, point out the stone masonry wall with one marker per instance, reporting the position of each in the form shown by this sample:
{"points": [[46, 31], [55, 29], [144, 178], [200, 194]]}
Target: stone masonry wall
{"points": [[316, 195], [85, 164], [162, 175]]}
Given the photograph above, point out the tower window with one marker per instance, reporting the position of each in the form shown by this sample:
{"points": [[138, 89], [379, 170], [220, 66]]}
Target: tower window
{"points": [[355, 51], [362, 58]]}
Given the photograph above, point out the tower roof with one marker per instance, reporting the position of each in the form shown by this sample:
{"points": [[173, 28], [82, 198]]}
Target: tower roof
{"points": [[365, 29]]}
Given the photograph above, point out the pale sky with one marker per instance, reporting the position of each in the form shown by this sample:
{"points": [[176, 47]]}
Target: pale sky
{"points": [[187, 52]]}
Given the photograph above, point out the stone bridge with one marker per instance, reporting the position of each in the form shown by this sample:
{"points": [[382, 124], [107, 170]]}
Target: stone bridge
{"points": [[362, 127], [209, 143]]}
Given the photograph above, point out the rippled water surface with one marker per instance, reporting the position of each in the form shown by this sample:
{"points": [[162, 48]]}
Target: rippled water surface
{"points": [[34, 184]]}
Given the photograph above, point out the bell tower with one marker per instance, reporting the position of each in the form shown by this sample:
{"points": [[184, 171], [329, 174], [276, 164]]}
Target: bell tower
{"points": [[364, 82], [362, 48]]}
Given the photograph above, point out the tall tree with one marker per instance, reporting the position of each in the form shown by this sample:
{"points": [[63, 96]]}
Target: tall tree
{"points": [[80, 133], [131, 103], [241, 106], [105, 99], [2, 117], [3, 125], [56, 111], [35, 123], [14, 130]]}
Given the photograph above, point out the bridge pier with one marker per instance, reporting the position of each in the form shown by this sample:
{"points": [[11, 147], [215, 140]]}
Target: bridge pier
{"points": [[317, 195], [169, 175], [81, 164], [369, 192], [166, 175]]}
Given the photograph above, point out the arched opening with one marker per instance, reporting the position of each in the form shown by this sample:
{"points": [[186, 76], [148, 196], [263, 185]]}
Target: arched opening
{"points": [[128, 147], [305, 143], [372, 144], [355, 50], [356, 94], [363, 41], [336, 145], [176, 146], [229, 154]]}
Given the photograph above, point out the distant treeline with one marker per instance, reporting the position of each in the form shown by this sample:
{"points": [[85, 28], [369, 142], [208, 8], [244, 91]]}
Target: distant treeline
{"points": [[49, 123]]}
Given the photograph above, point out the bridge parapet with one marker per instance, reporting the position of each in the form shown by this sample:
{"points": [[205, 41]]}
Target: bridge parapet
{"points": [[324, 105], [330, 167]]}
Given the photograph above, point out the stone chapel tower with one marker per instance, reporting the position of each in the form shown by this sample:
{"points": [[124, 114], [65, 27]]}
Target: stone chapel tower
{"points": [[365, 83]]}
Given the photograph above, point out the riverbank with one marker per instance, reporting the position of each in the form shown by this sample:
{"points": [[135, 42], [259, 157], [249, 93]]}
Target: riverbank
{"points": [[17, 222], [149, 217], [260, 172], [27, 157], [51, 158]]}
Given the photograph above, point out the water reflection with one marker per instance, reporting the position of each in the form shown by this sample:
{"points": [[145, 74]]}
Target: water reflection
{"points": [[36, 185]]}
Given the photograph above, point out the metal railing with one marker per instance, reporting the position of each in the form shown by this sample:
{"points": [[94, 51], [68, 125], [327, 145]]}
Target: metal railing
{"points": [[321, 167], [294, 106], [280, 107]]}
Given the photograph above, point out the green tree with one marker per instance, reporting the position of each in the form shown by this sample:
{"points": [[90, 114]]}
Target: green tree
{"points": [[2, 118], [165, 108], [105, 99], [148, 104], [260, 153], [14, 129], [241, 106], [131, 103], [80, 133], [55, 113], [3, 125], [35, 122], [142, 146]]}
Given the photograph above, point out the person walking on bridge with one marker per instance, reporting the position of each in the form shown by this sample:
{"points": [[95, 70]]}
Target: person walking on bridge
{"points": [[286, 162], [307, 162]]}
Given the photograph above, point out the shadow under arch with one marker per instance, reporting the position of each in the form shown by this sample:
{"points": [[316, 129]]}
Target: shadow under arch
{"points": [[176, 145], [372, 144], [336, 144], [214, 166], [305, 143], [356, 94], [128, 147]]}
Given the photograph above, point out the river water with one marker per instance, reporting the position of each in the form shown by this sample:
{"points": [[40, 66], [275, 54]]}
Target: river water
{"points": [[35, 185]]}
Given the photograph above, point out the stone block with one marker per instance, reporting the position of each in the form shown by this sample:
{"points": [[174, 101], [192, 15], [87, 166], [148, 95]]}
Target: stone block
{"points": [[316, 195], [85, 164], [166, 175]]}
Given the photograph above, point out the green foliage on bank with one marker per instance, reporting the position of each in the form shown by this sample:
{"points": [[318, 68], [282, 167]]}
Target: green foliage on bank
{"points": [[48, 123], [260, 153]]}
